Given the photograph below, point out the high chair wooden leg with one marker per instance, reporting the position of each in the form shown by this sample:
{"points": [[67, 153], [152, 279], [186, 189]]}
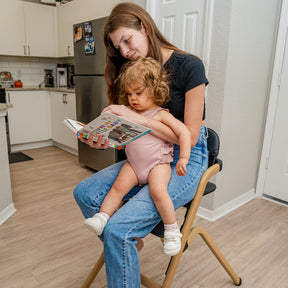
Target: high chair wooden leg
{"points": [[169, 273], [99, 264], [147, 282], [172, 269], [216, 251]]}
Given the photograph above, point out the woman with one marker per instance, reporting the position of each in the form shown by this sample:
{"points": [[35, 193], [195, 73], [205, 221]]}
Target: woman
{"points": [[144, 88], [130, 33]]}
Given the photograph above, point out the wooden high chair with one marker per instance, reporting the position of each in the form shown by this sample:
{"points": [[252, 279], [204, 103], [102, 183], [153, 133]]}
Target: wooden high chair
{"points": [[189, 232]]}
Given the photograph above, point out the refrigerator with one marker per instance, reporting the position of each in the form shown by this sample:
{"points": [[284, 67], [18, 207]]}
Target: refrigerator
{"points": [[90, 88]]}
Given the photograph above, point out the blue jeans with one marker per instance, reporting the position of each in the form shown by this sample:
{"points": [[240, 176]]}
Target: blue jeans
{"points": [[138, 217]]}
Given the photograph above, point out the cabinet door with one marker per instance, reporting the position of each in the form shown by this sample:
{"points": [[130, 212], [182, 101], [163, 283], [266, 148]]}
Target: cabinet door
{"points": [[29, 119], [65, 31], [63, 105], [41, 31], [12, 28]]}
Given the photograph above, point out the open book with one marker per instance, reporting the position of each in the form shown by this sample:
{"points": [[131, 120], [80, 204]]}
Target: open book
{"points": [[118, 130]]}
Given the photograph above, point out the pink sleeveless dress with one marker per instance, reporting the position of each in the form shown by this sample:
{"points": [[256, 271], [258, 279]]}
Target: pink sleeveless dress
{"points": [[148, 151]]}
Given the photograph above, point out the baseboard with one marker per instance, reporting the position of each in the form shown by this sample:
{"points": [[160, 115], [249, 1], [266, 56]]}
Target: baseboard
{"points": [[226, 208], [33, 145], [275, 200], [7, 213], [66, 148], [41, 144]]}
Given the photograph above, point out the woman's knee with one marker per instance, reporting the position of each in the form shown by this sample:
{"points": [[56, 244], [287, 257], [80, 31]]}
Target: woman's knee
{"points": [[78, 192], [112, 231]]}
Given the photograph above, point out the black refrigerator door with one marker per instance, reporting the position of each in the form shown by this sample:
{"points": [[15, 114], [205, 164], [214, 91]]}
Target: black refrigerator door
{"points": [[90, 64], [90, 97]]}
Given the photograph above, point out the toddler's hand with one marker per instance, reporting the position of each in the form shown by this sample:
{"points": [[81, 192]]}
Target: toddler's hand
{"points": [[181, 167]]}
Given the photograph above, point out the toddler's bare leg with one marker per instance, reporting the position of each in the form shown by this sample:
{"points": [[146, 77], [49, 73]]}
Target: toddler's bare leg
{"points": [[125, 181], [158, 181]]}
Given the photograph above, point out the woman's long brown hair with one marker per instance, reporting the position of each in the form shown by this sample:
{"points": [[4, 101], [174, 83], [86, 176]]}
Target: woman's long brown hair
{"points": [[129, 15]]}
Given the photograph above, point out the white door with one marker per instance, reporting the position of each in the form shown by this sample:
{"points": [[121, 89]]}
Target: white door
{"points": [[182, 22], [276, 182]]}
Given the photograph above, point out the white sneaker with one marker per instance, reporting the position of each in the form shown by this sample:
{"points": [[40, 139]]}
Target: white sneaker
{"points": [[96, 223], [172, 242]]}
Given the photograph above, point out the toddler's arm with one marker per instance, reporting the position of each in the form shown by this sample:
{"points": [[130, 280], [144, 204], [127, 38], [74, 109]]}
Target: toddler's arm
{"points": [[184, 136]]}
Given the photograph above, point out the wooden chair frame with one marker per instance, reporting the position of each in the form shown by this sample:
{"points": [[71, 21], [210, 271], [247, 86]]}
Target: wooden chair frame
{"points": [[188, 234]]}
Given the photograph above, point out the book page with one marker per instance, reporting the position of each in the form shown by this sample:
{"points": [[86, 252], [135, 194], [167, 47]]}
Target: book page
{"points": [[117, 130], [74, 125]]}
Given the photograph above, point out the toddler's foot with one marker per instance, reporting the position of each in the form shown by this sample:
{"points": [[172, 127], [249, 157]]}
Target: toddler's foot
{"points": [[96, 223], [172, 242]]}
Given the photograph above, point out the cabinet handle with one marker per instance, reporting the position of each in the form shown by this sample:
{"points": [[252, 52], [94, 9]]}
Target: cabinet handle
{"points": [[64, 98], [29, 50], [8, 94], [24, 46], [68, 50]]}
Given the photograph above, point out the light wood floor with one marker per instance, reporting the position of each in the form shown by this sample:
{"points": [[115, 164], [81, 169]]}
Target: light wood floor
{"points": [[44, 244]]}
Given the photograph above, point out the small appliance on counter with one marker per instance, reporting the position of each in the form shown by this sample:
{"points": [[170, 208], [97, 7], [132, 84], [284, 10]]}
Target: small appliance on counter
{"points": [[6, 80], [48, 78], [70, 76], [62, 75]]}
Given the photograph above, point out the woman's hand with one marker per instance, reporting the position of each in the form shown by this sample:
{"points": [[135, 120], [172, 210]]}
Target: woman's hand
{"points": [[98, 145]]}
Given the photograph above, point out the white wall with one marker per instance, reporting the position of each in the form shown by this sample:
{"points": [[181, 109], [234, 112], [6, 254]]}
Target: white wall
{"points": [[243, 46], [30, 70], [6, 202]]}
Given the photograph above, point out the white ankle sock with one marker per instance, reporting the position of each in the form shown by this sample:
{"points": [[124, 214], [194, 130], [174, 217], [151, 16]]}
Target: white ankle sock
{"points": [[105, 215], [171, 227]]}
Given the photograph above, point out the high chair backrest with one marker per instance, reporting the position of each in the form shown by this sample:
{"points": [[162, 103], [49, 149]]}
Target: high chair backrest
{"points": [[213, 145]]}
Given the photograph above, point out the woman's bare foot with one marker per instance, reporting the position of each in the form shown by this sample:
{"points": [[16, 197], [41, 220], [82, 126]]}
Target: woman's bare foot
{"points": [[140, 244]]}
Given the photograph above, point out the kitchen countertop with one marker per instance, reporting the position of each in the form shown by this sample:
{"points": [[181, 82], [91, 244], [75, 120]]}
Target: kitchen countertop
{"points": [[35, 88]]}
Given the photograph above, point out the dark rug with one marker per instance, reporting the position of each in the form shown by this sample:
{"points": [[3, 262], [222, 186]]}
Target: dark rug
{"points": [[18, 157]]}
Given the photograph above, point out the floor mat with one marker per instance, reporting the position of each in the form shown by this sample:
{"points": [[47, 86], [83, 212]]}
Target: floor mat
{"points": [[18, 157]]}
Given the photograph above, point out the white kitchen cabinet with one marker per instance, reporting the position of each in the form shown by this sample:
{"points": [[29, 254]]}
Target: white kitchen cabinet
{"points": [[29, 120], [28, 29], [65, 21], [41, 32], [63, 105], [75, 12], [12, 28]]}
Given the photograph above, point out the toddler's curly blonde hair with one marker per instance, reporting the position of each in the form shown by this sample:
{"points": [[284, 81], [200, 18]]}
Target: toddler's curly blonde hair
{"points": [[150, 74]]}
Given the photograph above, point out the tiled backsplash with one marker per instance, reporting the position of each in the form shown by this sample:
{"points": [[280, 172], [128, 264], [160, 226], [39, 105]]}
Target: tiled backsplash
{"points": [[30, 70]]}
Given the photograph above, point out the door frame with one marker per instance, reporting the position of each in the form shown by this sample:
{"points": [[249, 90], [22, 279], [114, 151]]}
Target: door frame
{"points": [[273, 98], [151, 9]]}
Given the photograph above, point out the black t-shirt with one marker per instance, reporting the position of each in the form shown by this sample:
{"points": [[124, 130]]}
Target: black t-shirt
{"points": [[186, 72]]}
